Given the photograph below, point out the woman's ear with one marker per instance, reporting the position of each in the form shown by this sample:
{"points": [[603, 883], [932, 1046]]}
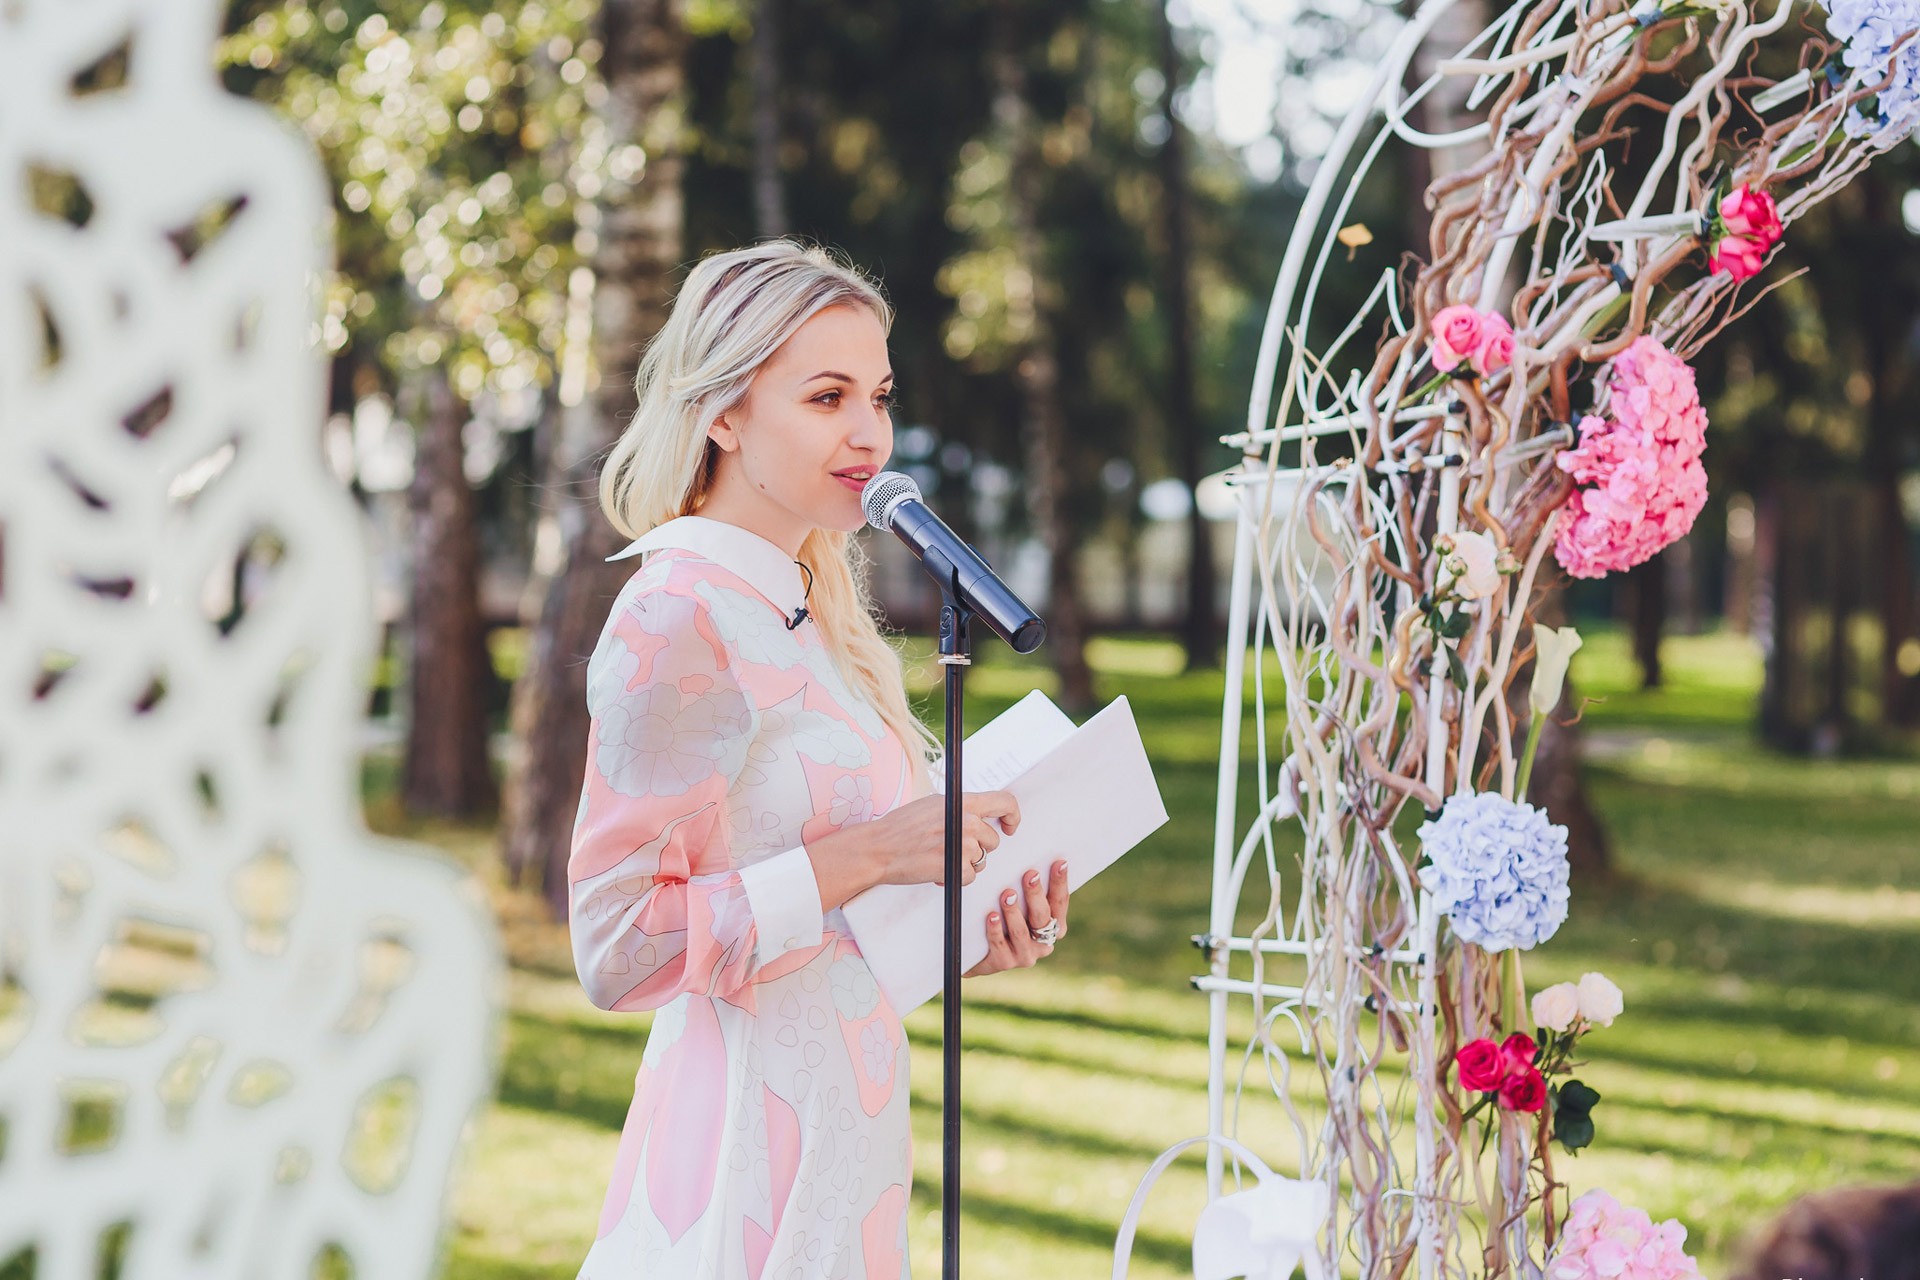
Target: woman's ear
{"points": [[722, 433]]}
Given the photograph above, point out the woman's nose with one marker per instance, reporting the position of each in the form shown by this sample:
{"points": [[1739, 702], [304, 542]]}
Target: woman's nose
{"points": [[871, 430]]}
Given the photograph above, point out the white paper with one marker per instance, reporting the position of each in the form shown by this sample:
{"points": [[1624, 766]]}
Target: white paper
{"points": [[1088, 799], [1008, 745]]}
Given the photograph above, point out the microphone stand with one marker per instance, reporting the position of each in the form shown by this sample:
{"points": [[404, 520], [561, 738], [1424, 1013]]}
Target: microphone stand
{"points": [[956, 655]]}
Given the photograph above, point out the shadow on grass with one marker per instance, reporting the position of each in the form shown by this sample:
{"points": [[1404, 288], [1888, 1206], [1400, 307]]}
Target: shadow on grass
{"points": [[1628, 920], [1056, 1227]]}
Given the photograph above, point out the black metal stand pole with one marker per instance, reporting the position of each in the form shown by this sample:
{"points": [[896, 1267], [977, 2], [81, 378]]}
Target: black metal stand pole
{"points": [[956, 653]]}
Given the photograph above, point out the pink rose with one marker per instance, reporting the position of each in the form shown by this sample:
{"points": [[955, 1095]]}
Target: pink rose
{"points": [[1524, 1091], [1456, 336], [1482, 1066], [1496, 345]]}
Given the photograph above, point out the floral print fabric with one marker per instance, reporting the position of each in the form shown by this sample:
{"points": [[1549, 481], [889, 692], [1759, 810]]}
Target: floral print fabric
{"points": [[768, 1136]]}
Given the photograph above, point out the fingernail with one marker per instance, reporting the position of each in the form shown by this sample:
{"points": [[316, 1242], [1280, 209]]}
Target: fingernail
{"points": [[1033, 877], [993, 917], [1060, 868], [1007, 897]]}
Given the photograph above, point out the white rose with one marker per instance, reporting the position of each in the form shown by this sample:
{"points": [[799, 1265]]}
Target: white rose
{"points": [[1556, 1007], [1600, 1000], [1474, 563]]}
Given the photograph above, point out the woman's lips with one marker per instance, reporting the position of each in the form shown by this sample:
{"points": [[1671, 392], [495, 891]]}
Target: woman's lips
{"points": [[852, 483]]}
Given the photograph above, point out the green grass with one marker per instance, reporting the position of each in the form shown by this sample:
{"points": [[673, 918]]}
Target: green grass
{"points": [[1764, 928]]}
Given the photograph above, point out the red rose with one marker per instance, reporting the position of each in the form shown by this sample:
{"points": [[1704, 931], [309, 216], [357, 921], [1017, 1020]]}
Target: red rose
{"points": [[1524, 1091], [1750, 226], [1751, 214], [1519, 1050], [1482, 1066], [1738, 256]]}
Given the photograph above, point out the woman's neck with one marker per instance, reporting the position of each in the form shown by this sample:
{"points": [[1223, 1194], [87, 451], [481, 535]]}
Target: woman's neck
{"points": [[775, 524]]}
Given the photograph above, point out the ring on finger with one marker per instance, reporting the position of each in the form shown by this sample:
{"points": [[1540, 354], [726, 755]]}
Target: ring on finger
{"points": [[1048, 933]]}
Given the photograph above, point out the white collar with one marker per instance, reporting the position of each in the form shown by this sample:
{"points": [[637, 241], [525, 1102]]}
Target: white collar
{"points": [[759, 563]]}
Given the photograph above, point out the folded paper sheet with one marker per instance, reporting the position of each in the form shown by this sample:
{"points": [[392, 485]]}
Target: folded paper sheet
{"points": [[1087, 795]]}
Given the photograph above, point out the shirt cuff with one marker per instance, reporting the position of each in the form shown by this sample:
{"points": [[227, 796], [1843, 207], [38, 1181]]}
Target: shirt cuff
{"points": [[785, 899]]}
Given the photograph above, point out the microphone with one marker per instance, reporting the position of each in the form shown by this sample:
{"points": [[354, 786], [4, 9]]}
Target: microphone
{"points": [[893, 504]]}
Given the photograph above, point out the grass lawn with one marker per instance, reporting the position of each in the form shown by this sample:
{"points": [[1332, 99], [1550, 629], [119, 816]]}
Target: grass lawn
{"points": [[1765, 926]]}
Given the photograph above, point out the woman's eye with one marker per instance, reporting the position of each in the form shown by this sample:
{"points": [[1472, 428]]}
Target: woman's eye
{"points": [[829, 398], [888, 402]]}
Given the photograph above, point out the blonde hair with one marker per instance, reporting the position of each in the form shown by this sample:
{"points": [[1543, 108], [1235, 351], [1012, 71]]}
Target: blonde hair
{"points": [[734, 311]]}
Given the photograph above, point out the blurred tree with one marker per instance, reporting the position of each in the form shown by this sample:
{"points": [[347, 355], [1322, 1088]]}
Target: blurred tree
{"points": [[1036, 300], [637, 251], [769, 188], [459, 137], [1201, 632], [446, 768]]}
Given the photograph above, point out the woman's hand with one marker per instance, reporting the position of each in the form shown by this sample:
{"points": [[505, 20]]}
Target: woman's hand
{"points": [[1011, 940], [913, 837], [908, 845]]}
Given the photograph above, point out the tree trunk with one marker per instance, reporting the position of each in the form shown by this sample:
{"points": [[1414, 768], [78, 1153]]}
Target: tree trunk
{"points": [[769, 190], [1557, 784], [640, 246], [446, 771], [1776, 616], [1038, 375], [1201, 632], [1647, 606]]}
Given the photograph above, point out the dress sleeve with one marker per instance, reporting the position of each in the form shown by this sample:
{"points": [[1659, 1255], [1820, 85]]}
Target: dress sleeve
{"points": [[656, 906]]}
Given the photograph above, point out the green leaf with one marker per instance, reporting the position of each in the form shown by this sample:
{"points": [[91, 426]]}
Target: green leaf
{"points": [[1453, 626], [1456, 668], [1575, 1096], [1573, 1131], [1573, 1104]]}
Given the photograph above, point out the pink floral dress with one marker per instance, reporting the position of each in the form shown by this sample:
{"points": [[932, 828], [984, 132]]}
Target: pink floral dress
{"points": [[768, 1135]]}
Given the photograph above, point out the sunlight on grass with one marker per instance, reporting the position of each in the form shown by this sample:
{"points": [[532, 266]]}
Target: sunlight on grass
{"points": [[1763, 929]]}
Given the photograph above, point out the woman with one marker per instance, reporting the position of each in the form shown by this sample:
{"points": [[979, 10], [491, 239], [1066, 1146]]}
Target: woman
{"points": [[753, 765]]}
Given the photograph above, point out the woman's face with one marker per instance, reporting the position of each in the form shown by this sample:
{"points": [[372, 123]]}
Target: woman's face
{"points": [[817, 410]]}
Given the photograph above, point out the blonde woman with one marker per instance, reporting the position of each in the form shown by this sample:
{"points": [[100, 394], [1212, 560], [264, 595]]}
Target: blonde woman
{"points": [[753, 765]]}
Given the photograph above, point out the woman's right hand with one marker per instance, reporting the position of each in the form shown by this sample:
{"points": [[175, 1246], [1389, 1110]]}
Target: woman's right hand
{"points": [[912, 839]]}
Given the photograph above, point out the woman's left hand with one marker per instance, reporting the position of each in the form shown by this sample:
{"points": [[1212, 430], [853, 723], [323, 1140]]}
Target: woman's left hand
{"points": [[1011, 943]]}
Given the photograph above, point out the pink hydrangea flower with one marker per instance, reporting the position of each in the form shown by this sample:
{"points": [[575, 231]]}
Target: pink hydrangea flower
{"points": [[1641, 482], [1606, 1240]]}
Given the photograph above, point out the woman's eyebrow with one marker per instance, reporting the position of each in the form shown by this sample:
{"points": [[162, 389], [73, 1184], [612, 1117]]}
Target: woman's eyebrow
{"points": [[842, 377]]}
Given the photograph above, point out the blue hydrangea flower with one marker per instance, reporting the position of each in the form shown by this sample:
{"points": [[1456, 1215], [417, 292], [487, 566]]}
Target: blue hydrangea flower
{"points": [[1869, 29], [1499, 870]]}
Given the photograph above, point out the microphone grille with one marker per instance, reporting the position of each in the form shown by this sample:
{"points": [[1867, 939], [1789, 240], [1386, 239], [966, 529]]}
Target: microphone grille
{"points": [[885, 492]]}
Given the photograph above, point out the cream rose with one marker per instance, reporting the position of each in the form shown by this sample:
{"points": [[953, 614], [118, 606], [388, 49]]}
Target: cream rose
{"points": [[1556, 1007], [1600, 1000], [1473, 562]]}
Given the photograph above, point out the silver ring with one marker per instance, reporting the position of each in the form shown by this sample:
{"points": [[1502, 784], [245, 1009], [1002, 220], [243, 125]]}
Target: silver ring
{"points": [[1048, 933], [979, 862]]}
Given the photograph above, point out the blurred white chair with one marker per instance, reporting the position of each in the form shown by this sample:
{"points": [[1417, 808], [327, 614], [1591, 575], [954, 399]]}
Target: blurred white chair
{"points": [[237, 1033]]}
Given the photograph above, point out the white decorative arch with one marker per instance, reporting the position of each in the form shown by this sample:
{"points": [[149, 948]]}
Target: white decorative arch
{"points": [[1351, 487]]}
